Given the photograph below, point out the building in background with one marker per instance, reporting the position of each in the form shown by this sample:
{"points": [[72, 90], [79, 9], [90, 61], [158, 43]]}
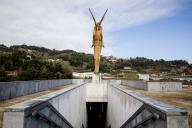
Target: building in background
{"points": [[128, 73], [84, 75], [12, 73], [143, 77]]}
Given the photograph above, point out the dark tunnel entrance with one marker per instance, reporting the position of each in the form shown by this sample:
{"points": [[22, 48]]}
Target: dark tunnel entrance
{"points": [[96, 114]]}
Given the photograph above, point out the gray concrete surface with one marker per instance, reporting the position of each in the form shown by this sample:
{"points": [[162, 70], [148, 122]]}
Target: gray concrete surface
{"points": [[69, 102], [164, 86], [153, 85], [139, 84], [120, 107], [9, 90], [72, 106], [96, 92], [122, 103]]}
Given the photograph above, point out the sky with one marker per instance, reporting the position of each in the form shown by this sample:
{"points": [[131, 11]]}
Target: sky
{"points": [[156, 29]]}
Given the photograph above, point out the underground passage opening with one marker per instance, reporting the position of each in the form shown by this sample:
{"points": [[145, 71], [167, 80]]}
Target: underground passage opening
{"points": [[96, 114]]}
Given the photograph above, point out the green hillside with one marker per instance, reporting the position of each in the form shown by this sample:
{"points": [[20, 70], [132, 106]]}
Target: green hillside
{"points": [[33, 62]]}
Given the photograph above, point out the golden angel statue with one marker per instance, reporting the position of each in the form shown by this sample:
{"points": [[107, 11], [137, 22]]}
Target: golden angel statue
{"points": [[97, 41]]}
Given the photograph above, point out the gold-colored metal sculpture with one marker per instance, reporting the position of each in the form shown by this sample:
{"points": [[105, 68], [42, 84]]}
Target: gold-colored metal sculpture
{"points": [[97, 41]]}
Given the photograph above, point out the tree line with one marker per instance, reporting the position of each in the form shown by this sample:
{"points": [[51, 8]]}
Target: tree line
{"points": [[30, 67], [37, 67]]}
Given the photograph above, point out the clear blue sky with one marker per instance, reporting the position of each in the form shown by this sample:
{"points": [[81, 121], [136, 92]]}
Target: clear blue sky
{"points": [[168, 38]]}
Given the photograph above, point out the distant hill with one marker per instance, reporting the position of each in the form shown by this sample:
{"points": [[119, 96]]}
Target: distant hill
{"points": [[84, 62]]}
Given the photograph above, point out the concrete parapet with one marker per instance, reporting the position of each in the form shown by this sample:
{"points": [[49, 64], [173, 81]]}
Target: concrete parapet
{"points": [[96, 92], [139, 84], [69, 102], [125, 108], [172, 117], [120, 107], [9, 90], [164, 86], [153, 85]]}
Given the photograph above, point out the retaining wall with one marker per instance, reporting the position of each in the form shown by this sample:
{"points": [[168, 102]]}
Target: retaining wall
{"points": [[123, 103], [120, 107], [96, 92], [164, 86], [69, 102], [9, 90], [153, 85], [139, 84]]}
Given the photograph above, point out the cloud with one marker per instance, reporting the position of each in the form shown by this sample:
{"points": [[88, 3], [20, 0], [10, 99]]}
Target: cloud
{"points": [[66, 24]]}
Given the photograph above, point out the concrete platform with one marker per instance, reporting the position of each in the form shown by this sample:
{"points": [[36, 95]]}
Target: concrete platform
{"points": [[123, 105], [5, 104], [175, 117], [69, 102]]}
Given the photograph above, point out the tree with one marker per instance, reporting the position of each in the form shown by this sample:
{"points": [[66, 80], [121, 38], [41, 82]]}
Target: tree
{"points": [[3, 76], [64, 68]]}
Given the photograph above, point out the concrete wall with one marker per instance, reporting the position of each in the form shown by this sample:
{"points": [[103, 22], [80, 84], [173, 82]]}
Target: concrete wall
{"points": [[139, 84], [164, 86], [96, 92], [120, 107], [123, 103], [81, 81], [177, 121], [72, 106], [153, 85], [83, 75], [69, 102], [9, 90]]}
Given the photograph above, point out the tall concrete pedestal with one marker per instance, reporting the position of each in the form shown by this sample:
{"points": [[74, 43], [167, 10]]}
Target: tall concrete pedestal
{"points": [[96, 78]]}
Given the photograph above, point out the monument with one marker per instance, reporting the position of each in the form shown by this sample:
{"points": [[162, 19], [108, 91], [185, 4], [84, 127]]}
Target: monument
{"points": [[97, 44]]}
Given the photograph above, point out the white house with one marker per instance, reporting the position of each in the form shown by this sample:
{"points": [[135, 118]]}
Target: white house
{"points": [[144, 77], [83, 75]]}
